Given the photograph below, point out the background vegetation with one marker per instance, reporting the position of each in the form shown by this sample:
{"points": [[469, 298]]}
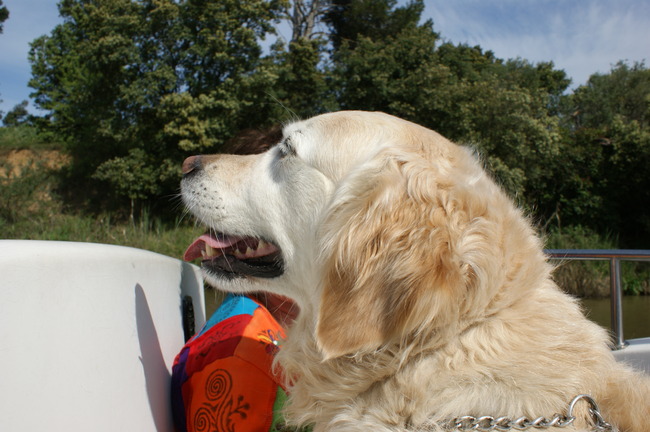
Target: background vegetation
{"points": [[132, 87]]}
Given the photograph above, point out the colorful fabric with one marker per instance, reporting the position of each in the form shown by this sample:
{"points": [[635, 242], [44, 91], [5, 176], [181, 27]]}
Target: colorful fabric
{"points": [[222, 379]]}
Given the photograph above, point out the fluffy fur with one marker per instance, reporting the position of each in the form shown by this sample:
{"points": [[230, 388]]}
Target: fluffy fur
{"points": [[424, 292]]}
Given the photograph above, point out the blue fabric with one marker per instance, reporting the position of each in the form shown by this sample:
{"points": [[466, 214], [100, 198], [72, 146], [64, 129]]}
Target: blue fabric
{"points": [[232, 305]]}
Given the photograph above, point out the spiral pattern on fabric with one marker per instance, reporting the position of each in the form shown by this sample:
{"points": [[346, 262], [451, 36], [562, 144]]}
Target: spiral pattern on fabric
{"points": [[218, 385], [203, 420]]}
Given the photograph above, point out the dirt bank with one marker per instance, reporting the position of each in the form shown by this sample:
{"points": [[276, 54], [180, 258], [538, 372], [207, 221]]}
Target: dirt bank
{"points": [[14, 162]]}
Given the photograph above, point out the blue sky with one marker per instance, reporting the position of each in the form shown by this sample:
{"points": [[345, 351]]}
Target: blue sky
{"points": [[581, 37]]}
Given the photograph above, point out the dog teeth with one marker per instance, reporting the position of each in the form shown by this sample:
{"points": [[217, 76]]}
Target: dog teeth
{"points": [[208, 252], [239, 254], [242, 250]]}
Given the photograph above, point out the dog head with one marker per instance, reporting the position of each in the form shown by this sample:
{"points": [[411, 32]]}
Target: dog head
{"points": [[377, 227]]}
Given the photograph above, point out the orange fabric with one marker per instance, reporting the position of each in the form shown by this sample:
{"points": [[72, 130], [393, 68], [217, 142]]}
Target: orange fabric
{"points": [[224, 374]]}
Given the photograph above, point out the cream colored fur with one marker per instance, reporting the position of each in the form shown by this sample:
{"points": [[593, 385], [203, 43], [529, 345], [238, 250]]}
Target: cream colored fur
{"points": [[424, 292]]}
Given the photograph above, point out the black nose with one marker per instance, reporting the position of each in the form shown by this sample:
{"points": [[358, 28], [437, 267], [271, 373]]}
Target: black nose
{"points": [[191, 165]]}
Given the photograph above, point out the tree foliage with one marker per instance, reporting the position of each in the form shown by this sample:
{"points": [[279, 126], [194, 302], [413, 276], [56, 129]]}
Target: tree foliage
{"points": [[18, 115], [4, 15], [349, 20], [134, 86], [609, 121], [126, 78], [461, 91]]}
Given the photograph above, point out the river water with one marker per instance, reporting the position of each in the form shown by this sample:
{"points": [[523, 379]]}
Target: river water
{"points": [[636, 314]]}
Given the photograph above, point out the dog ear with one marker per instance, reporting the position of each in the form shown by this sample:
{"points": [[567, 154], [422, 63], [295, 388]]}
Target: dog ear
{"points": [[392, 268]]}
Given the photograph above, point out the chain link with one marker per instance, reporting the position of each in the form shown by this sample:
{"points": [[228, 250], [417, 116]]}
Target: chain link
{"points": [[489, 423], [599, 423]]}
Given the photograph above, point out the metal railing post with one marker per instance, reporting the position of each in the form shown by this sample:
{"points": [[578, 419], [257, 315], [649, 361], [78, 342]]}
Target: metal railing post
{"points": [[616, 302], [614, 256]]}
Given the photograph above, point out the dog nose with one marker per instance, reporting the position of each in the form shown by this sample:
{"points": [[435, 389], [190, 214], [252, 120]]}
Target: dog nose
{"points": [[191, 165]]}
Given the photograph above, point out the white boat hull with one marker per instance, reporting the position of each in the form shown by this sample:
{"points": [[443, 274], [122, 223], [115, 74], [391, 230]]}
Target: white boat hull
{"points": [[88, 334], [636, 353]]}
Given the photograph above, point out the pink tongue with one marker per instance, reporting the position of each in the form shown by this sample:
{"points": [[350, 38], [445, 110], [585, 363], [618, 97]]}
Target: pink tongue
{"points": [[217, 241]]}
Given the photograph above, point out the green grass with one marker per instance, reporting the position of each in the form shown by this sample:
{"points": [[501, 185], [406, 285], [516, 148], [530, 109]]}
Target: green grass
{"points": [[169, 239]]}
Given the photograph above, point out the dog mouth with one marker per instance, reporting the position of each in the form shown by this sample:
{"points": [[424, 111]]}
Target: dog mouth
{"points": [[230, 256]]}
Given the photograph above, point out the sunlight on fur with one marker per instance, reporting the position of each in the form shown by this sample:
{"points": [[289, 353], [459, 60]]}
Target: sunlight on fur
{"points": [[424, 291]]}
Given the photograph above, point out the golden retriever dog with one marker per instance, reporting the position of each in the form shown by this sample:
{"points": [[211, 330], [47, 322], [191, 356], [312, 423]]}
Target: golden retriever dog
{"points": [[426, 301]]}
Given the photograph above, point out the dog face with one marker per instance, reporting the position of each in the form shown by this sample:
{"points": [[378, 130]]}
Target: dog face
{"points": [[375, 226], [264, 210]]}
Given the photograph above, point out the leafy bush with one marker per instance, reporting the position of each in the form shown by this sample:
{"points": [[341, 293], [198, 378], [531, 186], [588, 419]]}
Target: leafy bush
{"points": [[592, 278], [25, 192], [23, 136]]}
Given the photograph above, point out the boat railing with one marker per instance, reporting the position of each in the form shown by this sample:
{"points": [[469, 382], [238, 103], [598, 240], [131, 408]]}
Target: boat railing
{"points": [[614, 256]]}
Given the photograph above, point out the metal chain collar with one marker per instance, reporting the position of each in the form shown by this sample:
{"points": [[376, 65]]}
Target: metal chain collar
{"points": [[489, 423]]}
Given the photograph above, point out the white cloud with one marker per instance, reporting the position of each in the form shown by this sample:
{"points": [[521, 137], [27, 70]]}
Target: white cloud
{"points": [[580, 37]]}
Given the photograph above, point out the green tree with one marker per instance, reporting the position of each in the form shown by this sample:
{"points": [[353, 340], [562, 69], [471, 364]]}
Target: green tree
{"points": [[382, 58], [468, 63], [126, 78], [80, 72], [627, 193], [609, 120], [542, 80], [4, 14], [376, 20], [508, 109], [621, 92], [468, 95], [136, 176], [133, 86], [302, 86], [18, 115]]}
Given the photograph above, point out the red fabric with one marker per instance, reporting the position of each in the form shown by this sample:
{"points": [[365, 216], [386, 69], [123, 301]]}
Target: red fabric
{"points": [[223, 376]]}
